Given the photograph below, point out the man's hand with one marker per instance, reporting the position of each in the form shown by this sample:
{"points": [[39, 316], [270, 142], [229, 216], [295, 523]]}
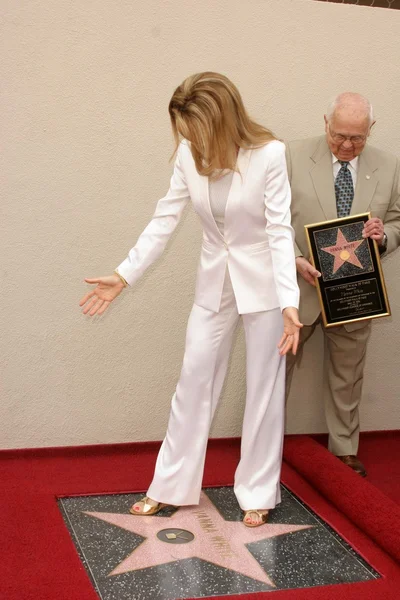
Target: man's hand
{"points": [[306, 270], [374, 229]]}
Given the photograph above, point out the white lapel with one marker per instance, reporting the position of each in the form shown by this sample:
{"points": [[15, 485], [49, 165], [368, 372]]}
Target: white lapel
{"points": [[235, 193], [205, 202], [238, 178]]}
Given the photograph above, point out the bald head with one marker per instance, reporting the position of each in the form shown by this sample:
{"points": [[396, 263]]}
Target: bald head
{"points": [[348, 124], [353, 105]]}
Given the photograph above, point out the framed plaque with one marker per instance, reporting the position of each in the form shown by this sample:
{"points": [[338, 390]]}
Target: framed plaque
{"points": [[351, 287]]}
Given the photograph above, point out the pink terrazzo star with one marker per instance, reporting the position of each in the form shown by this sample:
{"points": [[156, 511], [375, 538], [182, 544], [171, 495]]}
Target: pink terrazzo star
{"points": [[344, 251], [215, 540]]}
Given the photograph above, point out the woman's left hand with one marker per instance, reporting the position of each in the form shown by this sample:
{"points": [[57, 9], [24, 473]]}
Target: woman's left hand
{"points": [[291, 331]]}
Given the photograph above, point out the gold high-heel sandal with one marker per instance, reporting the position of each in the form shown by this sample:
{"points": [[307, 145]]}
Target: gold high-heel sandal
{"points": [[145, 509], [263, 517]]}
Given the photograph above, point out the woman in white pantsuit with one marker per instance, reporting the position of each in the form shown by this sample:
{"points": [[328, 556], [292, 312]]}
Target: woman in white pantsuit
{"points": [[234, 172]]}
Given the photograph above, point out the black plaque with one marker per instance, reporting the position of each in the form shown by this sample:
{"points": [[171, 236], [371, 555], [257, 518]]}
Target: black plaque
{"points": [[351, 287]]}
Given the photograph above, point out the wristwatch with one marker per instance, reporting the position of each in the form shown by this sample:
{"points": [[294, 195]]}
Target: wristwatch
{"points": [[383, 246]]}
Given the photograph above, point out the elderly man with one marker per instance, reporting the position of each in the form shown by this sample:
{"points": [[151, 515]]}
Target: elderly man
{"points": [[333, 176]]}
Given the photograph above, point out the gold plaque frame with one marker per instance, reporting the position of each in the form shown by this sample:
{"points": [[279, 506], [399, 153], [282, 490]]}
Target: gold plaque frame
{"points": [[352, 281]]}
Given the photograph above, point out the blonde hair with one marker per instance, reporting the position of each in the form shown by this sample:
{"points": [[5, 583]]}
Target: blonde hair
{"points": [[208, 111]]}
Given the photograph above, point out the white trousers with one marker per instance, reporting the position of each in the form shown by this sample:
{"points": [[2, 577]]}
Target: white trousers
{"points": [[180, 463]]}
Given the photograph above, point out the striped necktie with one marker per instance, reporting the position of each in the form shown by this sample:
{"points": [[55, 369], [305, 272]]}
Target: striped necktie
{"points": [[344, 190]]}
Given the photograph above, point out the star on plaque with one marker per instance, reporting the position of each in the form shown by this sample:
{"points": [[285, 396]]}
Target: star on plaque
{"points": [[344, 251], [194, 532]]}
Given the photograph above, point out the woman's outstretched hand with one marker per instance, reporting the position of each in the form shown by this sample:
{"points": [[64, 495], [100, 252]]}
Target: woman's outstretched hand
{"points": [[291, 331], [98, 300]]}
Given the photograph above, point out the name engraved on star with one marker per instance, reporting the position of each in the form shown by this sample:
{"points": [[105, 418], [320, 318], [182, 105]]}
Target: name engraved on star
{"points": [[218, 541]]}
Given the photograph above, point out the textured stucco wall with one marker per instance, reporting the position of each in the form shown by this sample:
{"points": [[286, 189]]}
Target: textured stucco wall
{"points": [[86, 141]]}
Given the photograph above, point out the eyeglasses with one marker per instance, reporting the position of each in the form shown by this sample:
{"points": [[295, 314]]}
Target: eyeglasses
{"points": [[339, 138]]}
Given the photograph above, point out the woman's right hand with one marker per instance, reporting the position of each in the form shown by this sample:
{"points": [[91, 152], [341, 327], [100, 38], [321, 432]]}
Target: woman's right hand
{"points": [[291, 331], [98, 300]]}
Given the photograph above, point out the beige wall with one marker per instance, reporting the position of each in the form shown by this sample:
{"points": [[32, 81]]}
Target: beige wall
{"points": [[86, 138]]}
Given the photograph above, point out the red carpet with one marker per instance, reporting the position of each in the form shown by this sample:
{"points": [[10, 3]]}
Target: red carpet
{"points": [[40, 562], [365, 505], [380, 452]]}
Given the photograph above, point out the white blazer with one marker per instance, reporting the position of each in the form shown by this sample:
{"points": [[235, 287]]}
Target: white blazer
{"points": [[257, 245]]}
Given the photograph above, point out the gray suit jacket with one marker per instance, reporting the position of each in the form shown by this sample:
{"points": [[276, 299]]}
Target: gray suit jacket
{"points": [[310, 172]]}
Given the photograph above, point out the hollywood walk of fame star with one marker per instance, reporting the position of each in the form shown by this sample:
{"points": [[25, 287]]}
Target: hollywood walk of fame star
{"points": [[215, 540], [344, 251]]}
